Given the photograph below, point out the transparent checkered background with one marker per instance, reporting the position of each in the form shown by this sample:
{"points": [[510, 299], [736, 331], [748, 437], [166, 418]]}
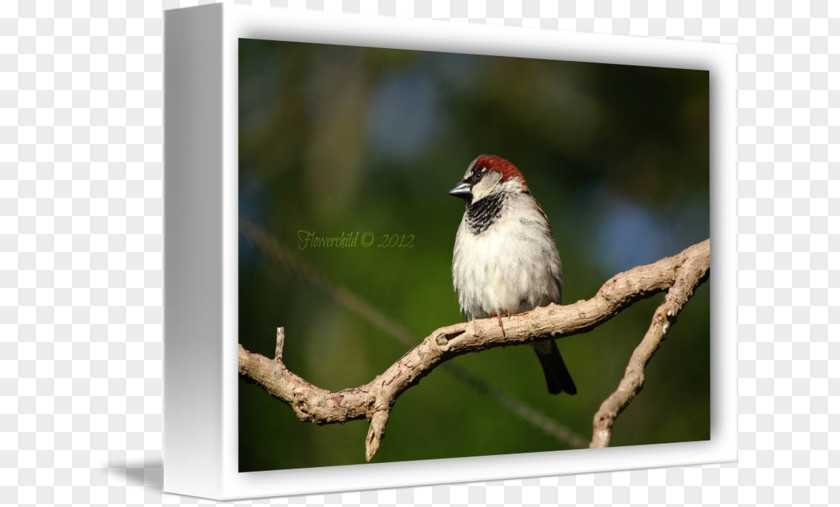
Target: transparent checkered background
{"points": [[81, 251]]}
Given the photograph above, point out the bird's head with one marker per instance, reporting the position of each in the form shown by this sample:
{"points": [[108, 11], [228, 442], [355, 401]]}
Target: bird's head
{"points": [[489, 175]]}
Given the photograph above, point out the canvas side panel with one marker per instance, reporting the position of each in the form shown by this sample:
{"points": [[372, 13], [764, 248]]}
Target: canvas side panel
{"points": [[192, 250]]}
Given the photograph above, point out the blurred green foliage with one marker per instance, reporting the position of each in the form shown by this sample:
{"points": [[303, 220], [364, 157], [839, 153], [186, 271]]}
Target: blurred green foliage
{"points": [[338, 139]]}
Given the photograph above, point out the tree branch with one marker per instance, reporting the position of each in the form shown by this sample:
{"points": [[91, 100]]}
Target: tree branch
{"points": [[689, 275], [272, 249], [373, 401]]}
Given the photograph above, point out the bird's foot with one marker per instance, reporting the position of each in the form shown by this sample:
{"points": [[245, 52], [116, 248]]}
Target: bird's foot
{"points": [[499, 316]]}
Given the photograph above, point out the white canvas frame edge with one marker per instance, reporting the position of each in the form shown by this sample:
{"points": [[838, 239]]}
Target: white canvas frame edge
{"points": [[280, 24]]}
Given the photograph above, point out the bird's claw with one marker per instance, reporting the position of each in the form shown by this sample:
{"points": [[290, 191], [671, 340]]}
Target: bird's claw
{"points": [[501, 325]]}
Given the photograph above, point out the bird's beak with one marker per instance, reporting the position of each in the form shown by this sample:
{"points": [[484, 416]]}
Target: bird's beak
{"points": [[462, 190]]}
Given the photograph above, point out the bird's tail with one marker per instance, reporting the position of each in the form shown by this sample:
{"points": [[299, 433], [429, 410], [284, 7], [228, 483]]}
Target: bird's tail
{"points": [[557, 376]]}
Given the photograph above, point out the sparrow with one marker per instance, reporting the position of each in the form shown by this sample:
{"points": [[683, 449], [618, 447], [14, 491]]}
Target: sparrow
{"points": [[505, 260]]}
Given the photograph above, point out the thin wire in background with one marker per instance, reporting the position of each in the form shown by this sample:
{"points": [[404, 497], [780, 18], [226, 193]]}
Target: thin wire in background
{"points": [[269, 247]]}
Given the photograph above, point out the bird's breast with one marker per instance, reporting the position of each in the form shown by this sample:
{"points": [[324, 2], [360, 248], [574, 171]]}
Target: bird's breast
{"points": [[511, 265]]}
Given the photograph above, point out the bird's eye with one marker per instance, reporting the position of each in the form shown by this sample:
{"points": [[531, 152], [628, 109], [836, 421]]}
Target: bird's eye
{"points": [[476, 175]]}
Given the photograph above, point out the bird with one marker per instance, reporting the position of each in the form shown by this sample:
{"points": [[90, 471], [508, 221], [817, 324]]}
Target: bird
{"points": [[505, 261]]}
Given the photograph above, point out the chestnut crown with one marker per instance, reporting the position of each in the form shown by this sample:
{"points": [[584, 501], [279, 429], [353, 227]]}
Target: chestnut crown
{"points": [[487, 175]]}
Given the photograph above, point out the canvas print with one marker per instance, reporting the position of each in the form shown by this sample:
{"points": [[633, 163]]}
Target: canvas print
{"points": [[446, 255]]}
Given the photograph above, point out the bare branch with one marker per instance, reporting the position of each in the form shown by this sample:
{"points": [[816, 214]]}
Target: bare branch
{"points": [[689, 276], [271, 248], [374, 400], [281, 341]]}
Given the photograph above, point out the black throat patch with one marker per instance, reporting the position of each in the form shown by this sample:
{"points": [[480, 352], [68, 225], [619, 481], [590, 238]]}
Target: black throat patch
{"points": [[482, 213]]}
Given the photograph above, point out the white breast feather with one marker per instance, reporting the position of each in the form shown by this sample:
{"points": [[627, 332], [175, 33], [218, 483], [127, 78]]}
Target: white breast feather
{"points": [[512, 266]]}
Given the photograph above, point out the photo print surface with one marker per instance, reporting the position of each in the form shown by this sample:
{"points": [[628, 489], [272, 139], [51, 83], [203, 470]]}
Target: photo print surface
{"points": [[347, 161]]}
